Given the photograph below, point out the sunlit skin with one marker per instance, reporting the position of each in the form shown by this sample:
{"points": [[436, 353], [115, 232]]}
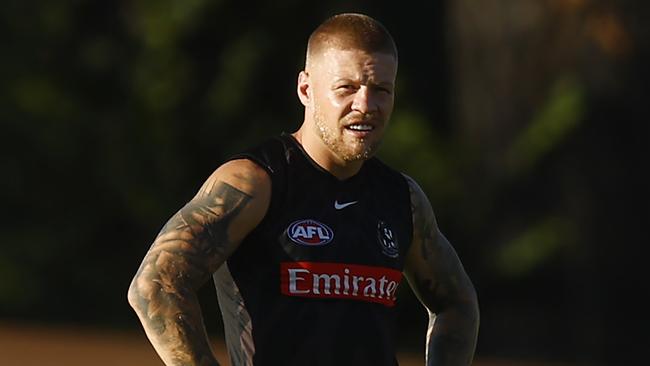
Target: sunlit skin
{"points": [[340, 89]]}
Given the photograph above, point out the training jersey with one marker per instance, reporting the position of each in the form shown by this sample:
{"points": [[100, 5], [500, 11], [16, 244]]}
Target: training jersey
{"points": [[315, 282]]}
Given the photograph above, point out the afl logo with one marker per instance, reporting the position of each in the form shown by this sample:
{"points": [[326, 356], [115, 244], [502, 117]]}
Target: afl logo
{"points": [[310, 232]]}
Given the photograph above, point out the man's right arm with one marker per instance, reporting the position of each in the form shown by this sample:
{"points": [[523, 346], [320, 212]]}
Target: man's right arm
{"points": [[188, 250]]}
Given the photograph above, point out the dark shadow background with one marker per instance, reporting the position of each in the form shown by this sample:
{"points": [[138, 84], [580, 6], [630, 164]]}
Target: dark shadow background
{"points": [[524, 121]]}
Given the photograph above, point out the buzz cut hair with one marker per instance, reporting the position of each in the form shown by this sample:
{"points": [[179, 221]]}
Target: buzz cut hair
{"points": [[350, 31]]}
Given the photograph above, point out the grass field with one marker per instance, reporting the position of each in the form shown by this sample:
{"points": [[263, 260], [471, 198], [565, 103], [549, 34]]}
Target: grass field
{"points": [[28, 345]]}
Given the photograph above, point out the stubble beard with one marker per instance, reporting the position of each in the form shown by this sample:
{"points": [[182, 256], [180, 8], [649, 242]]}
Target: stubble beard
{"points": [[334, 140]]}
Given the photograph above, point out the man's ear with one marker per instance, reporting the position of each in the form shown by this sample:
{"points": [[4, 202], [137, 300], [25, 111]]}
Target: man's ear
{"points": [[304, 88]]}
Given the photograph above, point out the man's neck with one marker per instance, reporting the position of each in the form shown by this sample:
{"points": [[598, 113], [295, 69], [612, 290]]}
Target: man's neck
{"points": [[324, 157]]}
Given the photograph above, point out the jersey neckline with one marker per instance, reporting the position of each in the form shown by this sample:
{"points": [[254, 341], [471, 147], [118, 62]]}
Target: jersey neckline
{"points": [[317, 166]]}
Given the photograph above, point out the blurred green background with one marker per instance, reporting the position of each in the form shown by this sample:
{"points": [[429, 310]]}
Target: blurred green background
{"points": [[525, 121]]}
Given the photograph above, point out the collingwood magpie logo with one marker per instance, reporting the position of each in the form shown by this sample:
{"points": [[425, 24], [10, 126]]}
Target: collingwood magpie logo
{"points": [[387, 240]]}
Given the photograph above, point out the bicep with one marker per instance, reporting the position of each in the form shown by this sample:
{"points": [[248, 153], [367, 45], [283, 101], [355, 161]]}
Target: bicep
{"points": [[436, 274], [201, 235], [432, 266]]}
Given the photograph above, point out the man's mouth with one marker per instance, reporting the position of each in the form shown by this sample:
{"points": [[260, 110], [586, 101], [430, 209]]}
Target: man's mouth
{"points": [[360, 130], [360, 127]]}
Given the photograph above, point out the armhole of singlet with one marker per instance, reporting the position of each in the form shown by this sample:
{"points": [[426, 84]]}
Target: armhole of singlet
{"points": [[277, 192], [269, 171]]}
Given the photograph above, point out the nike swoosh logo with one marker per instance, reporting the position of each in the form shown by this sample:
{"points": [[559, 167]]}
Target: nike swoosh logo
{"points": [[340, 206]]}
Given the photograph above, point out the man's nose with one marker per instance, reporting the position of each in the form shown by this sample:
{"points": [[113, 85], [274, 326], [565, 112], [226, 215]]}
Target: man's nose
{"points": [[364, 102]]}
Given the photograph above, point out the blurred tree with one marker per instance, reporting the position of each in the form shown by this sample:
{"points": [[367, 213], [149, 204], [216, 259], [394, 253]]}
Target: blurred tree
{"points": [[534, 85]]}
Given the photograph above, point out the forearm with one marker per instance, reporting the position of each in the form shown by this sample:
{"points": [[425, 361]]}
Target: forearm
{"points": [[186, 252], [451, 337], [173, 323]]}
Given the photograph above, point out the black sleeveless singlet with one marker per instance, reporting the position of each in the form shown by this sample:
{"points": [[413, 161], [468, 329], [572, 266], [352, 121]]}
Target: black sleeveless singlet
{"points": [[315, 282]]}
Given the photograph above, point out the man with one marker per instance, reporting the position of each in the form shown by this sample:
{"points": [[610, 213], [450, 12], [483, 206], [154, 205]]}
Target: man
{"points": [[308, 235]]}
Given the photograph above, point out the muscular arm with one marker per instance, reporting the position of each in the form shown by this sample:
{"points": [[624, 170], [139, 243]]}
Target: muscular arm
{"points": [[438, 279], [189, 248]]}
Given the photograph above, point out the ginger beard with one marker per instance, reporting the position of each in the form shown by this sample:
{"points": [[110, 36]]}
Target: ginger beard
{"points": [[344, 146]]}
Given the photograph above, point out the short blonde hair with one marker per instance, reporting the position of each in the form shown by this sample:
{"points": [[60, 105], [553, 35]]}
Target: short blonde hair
{"points": [[350, 31]]}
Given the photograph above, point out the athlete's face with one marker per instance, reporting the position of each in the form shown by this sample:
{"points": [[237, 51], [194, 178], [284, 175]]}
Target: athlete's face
{"points": [[352, 100]]}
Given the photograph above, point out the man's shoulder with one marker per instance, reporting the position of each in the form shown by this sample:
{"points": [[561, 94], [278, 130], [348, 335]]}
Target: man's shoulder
{"points": [[268, 153], [244, 174]]}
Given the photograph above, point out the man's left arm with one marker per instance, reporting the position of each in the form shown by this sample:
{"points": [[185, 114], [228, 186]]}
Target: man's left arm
{"points": [[440, 282]]}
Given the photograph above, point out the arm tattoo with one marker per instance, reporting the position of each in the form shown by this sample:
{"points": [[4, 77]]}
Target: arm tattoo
{"points": [[189, 248], [442, 285], [424, 222], [425, 228]]}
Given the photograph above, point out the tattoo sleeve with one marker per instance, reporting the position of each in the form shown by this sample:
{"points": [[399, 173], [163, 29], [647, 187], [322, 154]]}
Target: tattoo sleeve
{"points": [[440, 282], [189, 248]]}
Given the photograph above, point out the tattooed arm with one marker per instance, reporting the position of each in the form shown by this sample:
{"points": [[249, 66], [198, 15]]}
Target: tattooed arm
{"points": [[437, 277], [188, 250]]}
